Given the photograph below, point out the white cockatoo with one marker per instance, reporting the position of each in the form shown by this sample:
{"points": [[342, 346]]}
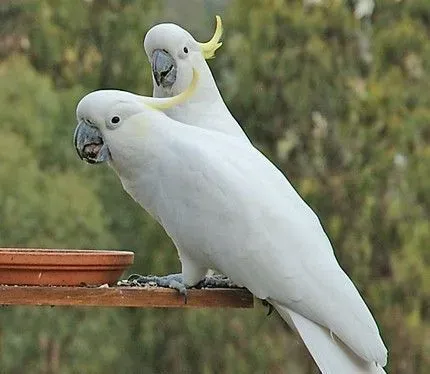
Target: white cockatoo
{"points": [[173, 54], [227, 207]]}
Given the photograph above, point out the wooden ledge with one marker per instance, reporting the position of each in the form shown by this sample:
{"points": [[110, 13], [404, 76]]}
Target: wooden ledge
{"points": [[151, 297]]}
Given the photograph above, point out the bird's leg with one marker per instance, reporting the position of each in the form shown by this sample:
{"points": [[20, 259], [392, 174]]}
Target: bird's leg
{"points": [[176, 281], [191, 275]]}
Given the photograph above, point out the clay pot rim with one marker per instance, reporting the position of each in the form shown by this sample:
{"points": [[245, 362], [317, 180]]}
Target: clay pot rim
{"points": [[62, 258], [64, 251]]}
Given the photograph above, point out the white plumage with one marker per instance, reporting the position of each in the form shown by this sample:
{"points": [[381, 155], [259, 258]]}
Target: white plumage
{"points": [[207, 101], [227, 207]]}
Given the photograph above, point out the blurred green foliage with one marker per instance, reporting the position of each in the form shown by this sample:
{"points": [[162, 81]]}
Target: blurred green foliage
{"points": [[341, 105]]}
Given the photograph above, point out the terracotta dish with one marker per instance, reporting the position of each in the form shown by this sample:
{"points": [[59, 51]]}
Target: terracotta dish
{"points": [[62, 267]]}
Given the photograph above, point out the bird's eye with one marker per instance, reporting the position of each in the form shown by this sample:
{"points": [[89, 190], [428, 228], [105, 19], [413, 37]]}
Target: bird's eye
{"points": [[185, 50], [115, 119]]}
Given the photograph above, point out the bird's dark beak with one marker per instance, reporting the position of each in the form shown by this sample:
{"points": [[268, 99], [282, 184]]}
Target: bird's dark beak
{"points": [[89, 144], [163, 68]]}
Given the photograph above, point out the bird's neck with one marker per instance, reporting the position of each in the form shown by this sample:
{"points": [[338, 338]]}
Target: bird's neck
{"points": [[205, 108]]}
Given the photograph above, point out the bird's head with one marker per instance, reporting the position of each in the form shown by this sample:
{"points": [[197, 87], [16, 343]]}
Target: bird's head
{"points": [[100, 113], [173, 53]]}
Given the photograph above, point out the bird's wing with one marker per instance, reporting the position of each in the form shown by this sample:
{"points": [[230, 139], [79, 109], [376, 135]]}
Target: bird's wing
{"points": [[259, 231], [227, 207]]}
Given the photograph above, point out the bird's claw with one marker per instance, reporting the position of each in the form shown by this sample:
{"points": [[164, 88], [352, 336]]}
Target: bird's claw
{"points": [[216, 281], [270, 306], [174, 281]]}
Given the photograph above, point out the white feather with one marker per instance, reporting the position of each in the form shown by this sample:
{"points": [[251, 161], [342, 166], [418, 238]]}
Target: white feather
{"points": [[227, 207], [331, 355]]}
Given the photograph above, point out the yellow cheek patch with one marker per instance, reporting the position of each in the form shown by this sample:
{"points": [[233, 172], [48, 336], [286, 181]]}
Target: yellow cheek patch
{"points": [[209, 48], [169, 102]]}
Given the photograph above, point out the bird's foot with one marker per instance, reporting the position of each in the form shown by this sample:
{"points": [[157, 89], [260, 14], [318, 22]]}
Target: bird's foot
{"points": [[216, 281], [270, 306], [175, 281]]}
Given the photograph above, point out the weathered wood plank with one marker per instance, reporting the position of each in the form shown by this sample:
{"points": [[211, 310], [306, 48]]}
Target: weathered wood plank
{"points": [[151, 297]]}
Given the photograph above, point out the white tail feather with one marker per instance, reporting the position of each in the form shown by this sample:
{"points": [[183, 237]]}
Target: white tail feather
{"points": [[329, 353]]}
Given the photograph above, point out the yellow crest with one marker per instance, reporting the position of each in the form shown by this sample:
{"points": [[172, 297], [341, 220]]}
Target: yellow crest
{"points": [[209, 48]]}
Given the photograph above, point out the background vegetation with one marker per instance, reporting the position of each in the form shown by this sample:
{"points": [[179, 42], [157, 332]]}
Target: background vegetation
{"points": [[337, 95]]}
